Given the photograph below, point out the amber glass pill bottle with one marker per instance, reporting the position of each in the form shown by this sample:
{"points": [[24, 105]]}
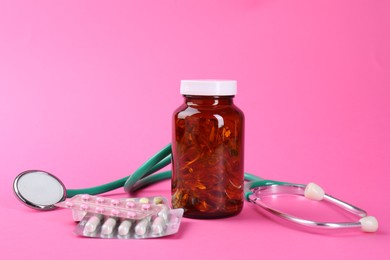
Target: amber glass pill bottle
{"points": [[208, 150]]}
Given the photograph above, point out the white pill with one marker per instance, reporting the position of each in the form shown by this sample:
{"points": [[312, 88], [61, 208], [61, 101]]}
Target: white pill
{"points": [[157, 200], [314, 192], [124, 228], [143, 200], [158, 226], [369, 224], [92, 223], [141, 227], [108, 226]]}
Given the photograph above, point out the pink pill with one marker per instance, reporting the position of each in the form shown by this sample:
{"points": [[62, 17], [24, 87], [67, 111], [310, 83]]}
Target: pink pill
{"points": [[100, 200], [115, 212], [146, 206], [85, 197], [99, 209], [115, 202], [130, 204], [83, 207]]}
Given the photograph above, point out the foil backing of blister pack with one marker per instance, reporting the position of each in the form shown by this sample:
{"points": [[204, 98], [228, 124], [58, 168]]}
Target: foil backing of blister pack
{"points": [[128, 218], [115, 228]]}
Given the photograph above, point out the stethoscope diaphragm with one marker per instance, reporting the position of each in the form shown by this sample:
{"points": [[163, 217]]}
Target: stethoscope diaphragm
{"points": [[39, 189]]}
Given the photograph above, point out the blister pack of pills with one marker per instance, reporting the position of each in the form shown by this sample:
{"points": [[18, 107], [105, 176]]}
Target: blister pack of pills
{"points": [[136, 218]]}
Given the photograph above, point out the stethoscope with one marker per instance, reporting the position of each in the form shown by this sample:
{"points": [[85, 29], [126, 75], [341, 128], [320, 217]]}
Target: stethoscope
{"points": [[42, 190]]}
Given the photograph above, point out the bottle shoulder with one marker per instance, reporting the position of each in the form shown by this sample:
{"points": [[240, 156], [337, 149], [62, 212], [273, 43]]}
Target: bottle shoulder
{"points": [[186, 110]]}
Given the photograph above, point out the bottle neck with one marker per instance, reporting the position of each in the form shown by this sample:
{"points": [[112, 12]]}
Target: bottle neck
{"points": [[208, 100]]}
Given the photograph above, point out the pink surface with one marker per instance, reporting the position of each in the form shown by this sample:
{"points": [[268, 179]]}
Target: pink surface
{"points": [[87, 89]]}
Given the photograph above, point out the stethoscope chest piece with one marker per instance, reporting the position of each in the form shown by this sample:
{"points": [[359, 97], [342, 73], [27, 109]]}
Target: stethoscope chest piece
{"points": [[39, 189]]}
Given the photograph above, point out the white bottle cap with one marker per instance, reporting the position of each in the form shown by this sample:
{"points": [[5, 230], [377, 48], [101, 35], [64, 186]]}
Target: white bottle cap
{"points": [[208, 87]]}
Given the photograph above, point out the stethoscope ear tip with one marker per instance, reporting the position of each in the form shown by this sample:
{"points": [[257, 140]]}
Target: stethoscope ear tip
{"points": [[369, 224], [314, 192]]}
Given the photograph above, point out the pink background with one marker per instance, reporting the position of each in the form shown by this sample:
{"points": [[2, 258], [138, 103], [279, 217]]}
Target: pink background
{"points": [[87, 89]]}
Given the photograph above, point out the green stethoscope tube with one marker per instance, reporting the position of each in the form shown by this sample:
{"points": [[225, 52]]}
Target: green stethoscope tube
{"points": [[254, 189], [155, 163], [144, 176]]}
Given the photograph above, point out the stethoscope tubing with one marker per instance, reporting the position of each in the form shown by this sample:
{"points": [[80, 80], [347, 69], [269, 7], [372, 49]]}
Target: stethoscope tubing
{"points": [[144, 176], [154, 164], [255, 190], [259, 192]]}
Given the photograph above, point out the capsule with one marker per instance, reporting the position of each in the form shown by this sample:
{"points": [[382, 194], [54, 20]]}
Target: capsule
{"points": [[92, 223], [142, 227], [108, 226], [124, 228], [158, 226]]}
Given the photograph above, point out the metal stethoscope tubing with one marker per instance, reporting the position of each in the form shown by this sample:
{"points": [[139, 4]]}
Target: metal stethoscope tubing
{"points": [[258, 190]]}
